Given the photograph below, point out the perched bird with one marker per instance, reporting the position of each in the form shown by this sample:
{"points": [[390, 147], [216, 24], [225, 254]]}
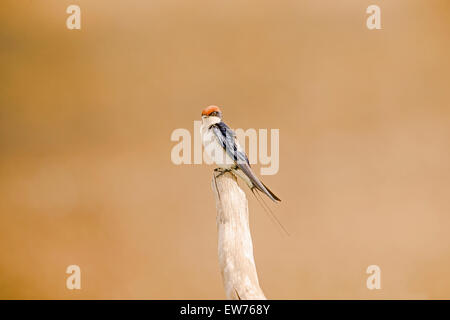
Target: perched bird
{"points": [[224, 150]]}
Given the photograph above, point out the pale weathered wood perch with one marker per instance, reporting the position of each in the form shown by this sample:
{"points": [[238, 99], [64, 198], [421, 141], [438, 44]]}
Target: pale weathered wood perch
{"points": [[236, 261]]}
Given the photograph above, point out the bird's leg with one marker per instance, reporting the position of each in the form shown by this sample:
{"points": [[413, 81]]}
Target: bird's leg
{"points": [[222, 171]]}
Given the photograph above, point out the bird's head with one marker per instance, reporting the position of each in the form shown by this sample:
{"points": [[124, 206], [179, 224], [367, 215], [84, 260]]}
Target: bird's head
{"points": [[211, 111]]}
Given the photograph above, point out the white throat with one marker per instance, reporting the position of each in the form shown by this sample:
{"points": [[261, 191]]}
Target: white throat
{"points": [[208, 121]]}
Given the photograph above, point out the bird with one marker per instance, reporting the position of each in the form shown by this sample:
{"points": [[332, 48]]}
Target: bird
{"points": [[225, 151]]}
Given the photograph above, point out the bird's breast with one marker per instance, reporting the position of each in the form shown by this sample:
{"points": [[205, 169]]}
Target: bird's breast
{"points": [[213, 150]]}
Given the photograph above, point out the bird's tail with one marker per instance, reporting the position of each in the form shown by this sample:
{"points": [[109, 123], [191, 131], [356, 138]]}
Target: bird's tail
{"points": [[267, 209], [270, 193], [252, 180]]}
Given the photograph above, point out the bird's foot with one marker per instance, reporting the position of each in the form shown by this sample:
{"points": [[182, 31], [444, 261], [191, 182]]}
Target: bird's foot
{"points": [[221, 171]]}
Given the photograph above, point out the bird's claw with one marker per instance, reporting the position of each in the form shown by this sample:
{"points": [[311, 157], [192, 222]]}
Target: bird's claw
{"points": [[221, 171]]}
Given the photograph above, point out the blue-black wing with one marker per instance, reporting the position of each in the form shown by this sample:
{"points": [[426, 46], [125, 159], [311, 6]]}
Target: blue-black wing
{"points": [[227, 139]]}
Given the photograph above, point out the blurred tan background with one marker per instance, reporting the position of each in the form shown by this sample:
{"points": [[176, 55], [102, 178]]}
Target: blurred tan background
{"points": [[85, 123]]}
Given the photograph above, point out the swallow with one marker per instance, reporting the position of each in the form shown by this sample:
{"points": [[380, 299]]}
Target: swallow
{"points": [[224, 150]]}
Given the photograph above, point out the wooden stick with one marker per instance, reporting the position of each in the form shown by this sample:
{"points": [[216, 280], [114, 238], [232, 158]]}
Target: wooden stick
{"points": [[236, 261]]}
